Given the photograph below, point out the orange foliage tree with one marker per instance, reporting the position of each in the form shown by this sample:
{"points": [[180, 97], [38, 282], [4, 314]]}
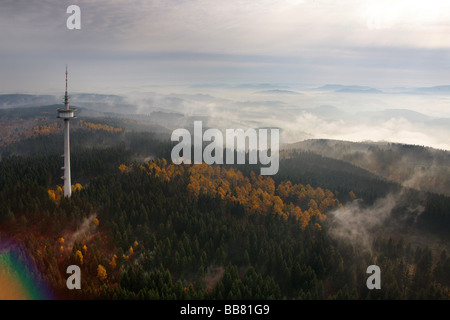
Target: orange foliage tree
{"points": [[101, 273], [258, 194]]}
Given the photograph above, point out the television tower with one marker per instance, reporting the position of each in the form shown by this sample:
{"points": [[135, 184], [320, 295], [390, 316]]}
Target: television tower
{"points": [[66, 114]]}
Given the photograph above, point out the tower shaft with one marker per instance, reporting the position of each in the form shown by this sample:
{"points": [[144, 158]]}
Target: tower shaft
{"points": [[67, 180], [66, 113]]}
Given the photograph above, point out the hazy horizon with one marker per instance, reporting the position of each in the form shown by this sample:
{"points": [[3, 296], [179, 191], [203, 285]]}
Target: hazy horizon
{"points": [[301, 113], [167, 54]]}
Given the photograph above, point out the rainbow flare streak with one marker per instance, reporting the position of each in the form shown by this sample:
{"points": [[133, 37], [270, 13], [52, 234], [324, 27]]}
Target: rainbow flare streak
{"points": [[19, 279]]}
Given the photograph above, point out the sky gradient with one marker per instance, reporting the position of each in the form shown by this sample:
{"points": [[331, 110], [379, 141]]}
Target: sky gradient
{"points": [[161, 54], [125, 45]]}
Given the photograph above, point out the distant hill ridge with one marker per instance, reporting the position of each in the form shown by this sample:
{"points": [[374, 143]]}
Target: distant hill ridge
{"points": [[418, 167]]}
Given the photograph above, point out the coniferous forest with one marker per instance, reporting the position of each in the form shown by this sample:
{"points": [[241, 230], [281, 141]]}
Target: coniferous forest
{"points": [[140, 227]]}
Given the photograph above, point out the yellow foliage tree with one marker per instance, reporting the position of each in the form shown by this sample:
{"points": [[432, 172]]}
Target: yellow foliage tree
{"points": [[76, 187], [123, 168], [52, 195], [79, 256], [113, 263], [101, 273], [258, 194], [313, 204]]}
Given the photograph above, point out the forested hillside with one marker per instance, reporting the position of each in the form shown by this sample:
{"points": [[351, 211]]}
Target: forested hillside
{"points": [[142, 228], [413, 166]]}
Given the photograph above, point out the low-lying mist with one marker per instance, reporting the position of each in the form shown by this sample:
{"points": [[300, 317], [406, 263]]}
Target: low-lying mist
{"points": [[309, 113], [302, 112], [358, 224]]}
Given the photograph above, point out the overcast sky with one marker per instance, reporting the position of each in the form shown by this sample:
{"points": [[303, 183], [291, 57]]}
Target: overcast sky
{"points": [[154, 50], [127, 45]]}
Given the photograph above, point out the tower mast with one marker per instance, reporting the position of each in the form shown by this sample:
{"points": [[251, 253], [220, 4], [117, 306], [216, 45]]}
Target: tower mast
{"points": [[66, 96], [66, 114]]}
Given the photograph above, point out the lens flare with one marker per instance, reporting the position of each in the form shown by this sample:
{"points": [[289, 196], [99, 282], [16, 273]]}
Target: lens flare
{"points": [[19, 278]]}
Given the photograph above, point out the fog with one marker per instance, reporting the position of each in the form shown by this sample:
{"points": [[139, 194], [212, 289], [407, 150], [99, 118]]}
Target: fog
{"points": [[307, 113], [416, 116], [358, 224]]}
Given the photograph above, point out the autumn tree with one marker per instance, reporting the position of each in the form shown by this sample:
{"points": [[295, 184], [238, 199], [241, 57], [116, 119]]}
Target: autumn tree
{"points": [[101, 273]]}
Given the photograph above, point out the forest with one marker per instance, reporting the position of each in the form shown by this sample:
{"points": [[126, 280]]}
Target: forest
{"points": [[141, 227]]}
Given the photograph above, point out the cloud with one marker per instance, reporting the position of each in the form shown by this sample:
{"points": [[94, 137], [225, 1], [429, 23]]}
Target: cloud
{"points": [[351, 116], [357, 223], [280, 28], [83, 232], [125, 44], [435, 176], [128, 46]]}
